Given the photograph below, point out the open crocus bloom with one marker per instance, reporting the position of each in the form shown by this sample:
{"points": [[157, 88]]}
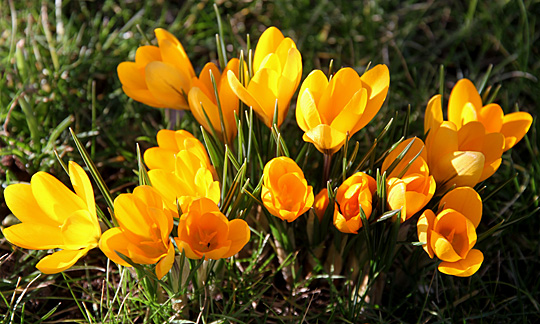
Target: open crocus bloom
{"points": [[413, 188], [328, 111], [54, 217], [190, 179], [354, 193], [202, 100], [277, 69], [465, 105], [143, 231], [451, 234], [161, 75], [464, 156], [169, 144], [285, 191], [203, 231]]}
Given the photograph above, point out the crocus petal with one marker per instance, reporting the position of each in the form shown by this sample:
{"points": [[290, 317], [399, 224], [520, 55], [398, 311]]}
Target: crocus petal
{"points": [[146, 54], [80, 230], [268, 43], [173, 52], [144, 96], [265, 85], [243, 94], [338, 93], [61, 260], [514, 127], [166, 263], [491, 116], [466, 201], [307, 114], [492, 149], [167, 84], [57, 201], [459, 168], [352, 115], [20, 200], [463, 92], [82, 186], [463, 268], [443, 249], [424, 228], [417, 147], [112, 241], [434, 116], [377, 81], [184, 246], [396, 196], [157, 158], [325, 138], [34, 236], [130, 75]]}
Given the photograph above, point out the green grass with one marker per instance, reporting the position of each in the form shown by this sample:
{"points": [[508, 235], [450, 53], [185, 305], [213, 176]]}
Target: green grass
{"points": [[51, 80]]}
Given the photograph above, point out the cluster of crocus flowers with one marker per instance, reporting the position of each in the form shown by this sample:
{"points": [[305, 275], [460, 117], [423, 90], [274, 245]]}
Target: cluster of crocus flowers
{"points": [[143, 232], [354, 196], [285, 191], [468, 147], [451, 233], [54, 217], [206, 107], [277, 69], [180, 169], [330, 110], [410, 186], [161, 75]]}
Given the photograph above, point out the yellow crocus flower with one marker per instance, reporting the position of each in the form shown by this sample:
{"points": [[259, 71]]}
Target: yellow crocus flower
{"points": [[54, 217], [277, 69], [161, 75], [328, 111]]}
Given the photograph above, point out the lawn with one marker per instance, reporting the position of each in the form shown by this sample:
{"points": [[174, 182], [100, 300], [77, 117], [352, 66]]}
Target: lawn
{"points": [[58, 72]]}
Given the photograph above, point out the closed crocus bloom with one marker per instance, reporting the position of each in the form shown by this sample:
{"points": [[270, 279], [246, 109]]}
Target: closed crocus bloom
{"points": [[203, 231], [412, 189], [285, 191], [321, 203], [143, 231], [354, 193], [329, 110], [202, 99], [190, 179], [465, 156], [277, 69], [169, 144], [451, 234], [54, 217], [161, 75]]}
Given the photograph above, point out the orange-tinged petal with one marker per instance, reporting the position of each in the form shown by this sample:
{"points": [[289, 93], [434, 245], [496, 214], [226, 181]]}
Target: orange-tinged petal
{"points": [[146, 54], [290, 75], [468, 114], [144, 96], [320, 203], [441, 141], [492, 149], [338, 93], [349, 119], [61, 260], [166, 263], [466, 201], [167, 84], [57, 201], [34, 236], [243, 94], [463, 268], [397, 196], [316, 82], [463, 92], [82, 186], [434, 116], [417, 147], [20, 200], [202, 107], [264, 85], [344, 225], [443, 249], [173, 52], [424, 228], [491, 116], [158, 158], [112, 241], [239, 235], [458, 168], [325, 138], [132, 215], [377, 82], [131, 76], [514, 127]]}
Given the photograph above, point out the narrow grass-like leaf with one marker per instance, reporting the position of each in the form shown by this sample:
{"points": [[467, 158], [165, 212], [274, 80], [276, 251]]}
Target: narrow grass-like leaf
{"points": [[144, 179]]}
